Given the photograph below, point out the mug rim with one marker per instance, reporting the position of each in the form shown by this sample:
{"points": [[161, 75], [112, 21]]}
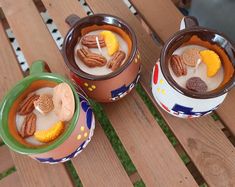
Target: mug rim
{"points": [[10, 140], [211, 94], [88, 76]]}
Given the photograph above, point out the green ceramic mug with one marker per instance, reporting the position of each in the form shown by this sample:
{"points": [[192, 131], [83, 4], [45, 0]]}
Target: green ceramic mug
{"points": [[70, 143]]}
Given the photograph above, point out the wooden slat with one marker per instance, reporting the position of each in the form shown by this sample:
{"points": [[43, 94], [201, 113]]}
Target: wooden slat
{"points": [[155, 9], [150, 53], [39, 173], [105, 169], [201, 129], [6, 161], [226, 111], [24, 9], [160, 20], [140, 135], [151, 152], [31, 36], [33, 173], [11, 180]]}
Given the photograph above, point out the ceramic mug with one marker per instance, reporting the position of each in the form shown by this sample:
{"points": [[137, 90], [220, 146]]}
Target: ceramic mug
{"points": [[67, 145], [185, 103], [113, 86]]}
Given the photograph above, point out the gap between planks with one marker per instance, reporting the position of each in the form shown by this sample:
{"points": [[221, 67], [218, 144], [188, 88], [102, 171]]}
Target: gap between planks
{"points": [[164, 30], [51, 54], [188, 178], [5, 159], [11, 180], [198, 136], [22, 163]]}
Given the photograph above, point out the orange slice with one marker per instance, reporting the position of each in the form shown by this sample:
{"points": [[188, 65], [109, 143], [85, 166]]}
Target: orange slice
{"points": [[50, 134], [212, 61], [111, 42]]}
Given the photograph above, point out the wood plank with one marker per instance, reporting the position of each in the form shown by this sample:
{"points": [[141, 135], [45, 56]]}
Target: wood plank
{"points": [[105, 169], [169, 18], [198, 131], [155, 159], [26, 8], [33, 173], [31, 35], [5, 159], [155, 9], [59, 10], [11, 74], [141, 153], [11, 180], [226, 111]]}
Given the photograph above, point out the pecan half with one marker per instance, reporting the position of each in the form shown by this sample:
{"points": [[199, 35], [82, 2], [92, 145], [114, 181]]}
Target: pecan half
{"points": [[91, 59], [90, 41], [28, 127], [178, 66], [27, 105], [117, 60]]}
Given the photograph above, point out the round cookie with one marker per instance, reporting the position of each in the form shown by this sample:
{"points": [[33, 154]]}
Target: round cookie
{"points": [[191, 56], [63, 100], [44, 104], [196, 84]]}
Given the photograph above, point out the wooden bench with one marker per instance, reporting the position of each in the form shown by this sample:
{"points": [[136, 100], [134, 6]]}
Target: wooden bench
{"points": [[208, 143]]}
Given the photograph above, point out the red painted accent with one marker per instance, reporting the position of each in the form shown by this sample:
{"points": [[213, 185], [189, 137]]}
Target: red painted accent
{"points": [[165, 107], [155, 74], [76, 79]]}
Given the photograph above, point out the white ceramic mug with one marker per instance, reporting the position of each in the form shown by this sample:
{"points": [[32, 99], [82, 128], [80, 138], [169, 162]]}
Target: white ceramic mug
{"points": [[185, 103]]}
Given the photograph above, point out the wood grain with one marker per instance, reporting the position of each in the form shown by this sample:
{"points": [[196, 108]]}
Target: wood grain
{"points": [[169, 18], [151, 152], [226, 111], [165, 28], [56, 63], [103, 170], [33, 173], [6, 161], [11, 73], [31, 35], [11, 180], [197, 128], [146, 152]]}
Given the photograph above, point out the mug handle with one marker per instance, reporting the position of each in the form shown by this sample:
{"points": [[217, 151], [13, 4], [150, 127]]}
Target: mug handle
{"points": [[39, 66], [72, 19], [188, 22]]}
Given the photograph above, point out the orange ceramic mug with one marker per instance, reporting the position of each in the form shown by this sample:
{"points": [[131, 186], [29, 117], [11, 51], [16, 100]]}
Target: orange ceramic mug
{"points": [[113, 86]]}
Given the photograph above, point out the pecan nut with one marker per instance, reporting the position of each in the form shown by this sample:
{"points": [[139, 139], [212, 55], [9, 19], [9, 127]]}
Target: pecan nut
{"points": [[28, 127], [90, 41], [117, 60], [91, 59], [178, 66], [27, 105]]}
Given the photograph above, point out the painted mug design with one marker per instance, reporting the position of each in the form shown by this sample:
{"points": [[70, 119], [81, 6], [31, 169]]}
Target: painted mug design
{"points": [[115, 85], [70, 143], [174, 103], [177, 100], [90, 124]]}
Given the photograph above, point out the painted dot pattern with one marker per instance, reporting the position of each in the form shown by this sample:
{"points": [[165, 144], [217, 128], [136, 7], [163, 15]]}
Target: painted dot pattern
{"points": [[90, 87], [160, 90], [83, 133], [79, 137]]}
